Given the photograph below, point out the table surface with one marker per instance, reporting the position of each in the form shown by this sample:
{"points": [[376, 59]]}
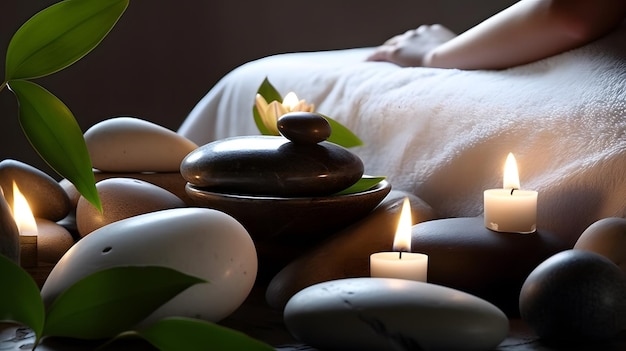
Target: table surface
{"points": [[258, 320]]}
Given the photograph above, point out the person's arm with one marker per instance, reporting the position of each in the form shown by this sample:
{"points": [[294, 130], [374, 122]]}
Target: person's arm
{"points": [[527, 31]]}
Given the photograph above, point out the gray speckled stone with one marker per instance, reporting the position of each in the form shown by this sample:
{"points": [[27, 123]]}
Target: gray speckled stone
{"points": [[46, 197], [122, 198], [575, 295], [393, 314], [271, 166]]}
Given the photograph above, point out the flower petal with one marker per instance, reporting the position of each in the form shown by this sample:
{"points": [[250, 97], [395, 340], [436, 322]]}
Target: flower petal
{"points": [[274, 110], [260, 102]]}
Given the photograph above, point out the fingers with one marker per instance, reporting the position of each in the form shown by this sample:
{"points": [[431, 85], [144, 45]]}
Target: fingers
{"points": [[382, 53], [423, 28], [410, 47], [442, 30], [393, 40]]}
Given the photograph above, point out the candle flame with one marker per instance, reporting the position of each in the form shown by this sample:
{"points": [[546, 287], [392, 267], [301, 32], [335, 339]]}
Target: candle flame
{"points": [[291, 101], [402, 240], [22, 213], [511, 175]]}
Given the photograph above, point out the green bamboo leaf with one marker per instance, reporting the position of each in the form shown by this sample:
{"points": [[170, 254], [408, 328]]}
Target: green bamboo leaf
{"points": [[174, 334], [113, 300], [341, 135], [20, 300], [363, 184], [54, 133], [60, 35]]}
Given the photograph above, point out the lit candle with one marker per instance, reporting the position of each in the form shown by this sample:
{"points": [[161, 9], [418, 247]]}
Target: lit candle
{"points": [[510, 209], [27, 227], [402, 263]]}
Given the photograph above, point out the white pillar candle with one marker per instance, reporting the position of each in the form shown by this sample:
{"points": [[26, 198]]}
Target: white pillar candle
{"points": [[510, 209], [400, 264], [403, 265]]}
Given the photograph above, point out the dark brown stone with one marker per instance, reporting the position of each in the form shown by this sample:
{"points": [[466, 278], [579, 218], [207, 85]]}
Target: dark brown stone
{"points": [[46, 197], [304, 127], [271, 166], [465, 255]]}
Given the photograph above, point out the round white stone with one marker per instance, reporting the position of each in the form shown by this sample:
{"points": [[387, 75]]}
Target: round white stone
{"points": [[201, 242], [393, 314]]}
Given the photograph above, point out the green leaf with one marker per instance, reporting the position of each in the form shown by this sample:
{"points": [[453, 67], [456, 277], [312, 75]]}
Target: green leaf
{"points": [[60, 35], [54, 133], [113, 300], [174, 334], [20, 300], [341, 135], [268, 91], [363, 184]]}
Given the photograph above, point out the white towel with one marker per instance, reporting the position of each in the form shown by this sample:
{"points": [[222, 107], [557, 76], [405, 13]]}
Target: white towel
{"points": [[444, 134]]}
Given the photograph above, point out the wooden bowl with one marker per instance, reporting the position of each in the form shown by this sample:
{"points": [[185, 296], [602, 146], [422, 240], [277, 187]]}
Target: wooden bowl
{"points": [[296, 220]]}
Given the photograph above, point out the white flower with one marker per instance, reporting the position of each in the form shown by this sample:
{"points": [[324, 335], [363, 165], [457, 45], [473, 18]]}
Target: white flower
{"points": [[271, 112]]}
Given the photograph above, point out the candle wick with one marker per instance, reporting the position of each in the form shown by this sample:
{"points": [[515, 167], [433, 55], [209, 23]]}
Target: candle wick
{"points": [[512, 190], [400, 256]]}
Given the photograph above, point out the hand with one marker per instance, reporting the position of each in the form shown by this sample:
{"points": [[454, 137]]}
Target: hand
{"points": [[412, 47]]}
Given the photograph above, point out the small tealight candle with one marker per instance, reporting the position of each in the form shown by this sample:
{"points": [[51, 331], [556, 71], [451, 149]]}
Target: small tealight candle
{"points": [[402, 263], [510, 209], [27, 227]]}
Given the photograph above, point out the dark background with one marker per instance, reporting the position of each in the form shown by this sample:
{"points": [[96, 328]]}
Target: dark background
{"points": [[164, 55]]}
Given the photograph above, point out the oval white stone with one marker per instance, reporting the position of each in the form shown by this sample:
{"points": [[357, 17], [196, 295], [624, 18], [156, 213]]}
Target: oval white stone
{"points": [[197, 241], [393, 314], [128, 144]]}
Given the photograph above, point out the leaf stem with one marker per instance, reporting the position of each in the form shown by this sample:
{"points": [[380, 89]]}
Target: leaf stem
{"points": [[4, 84]]}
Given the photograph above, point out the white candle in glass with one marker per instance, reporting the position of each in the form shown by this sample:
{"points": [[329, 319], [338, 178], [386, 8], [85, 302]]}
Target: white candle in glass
{"points": [[402, 263], [510, 209]]}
